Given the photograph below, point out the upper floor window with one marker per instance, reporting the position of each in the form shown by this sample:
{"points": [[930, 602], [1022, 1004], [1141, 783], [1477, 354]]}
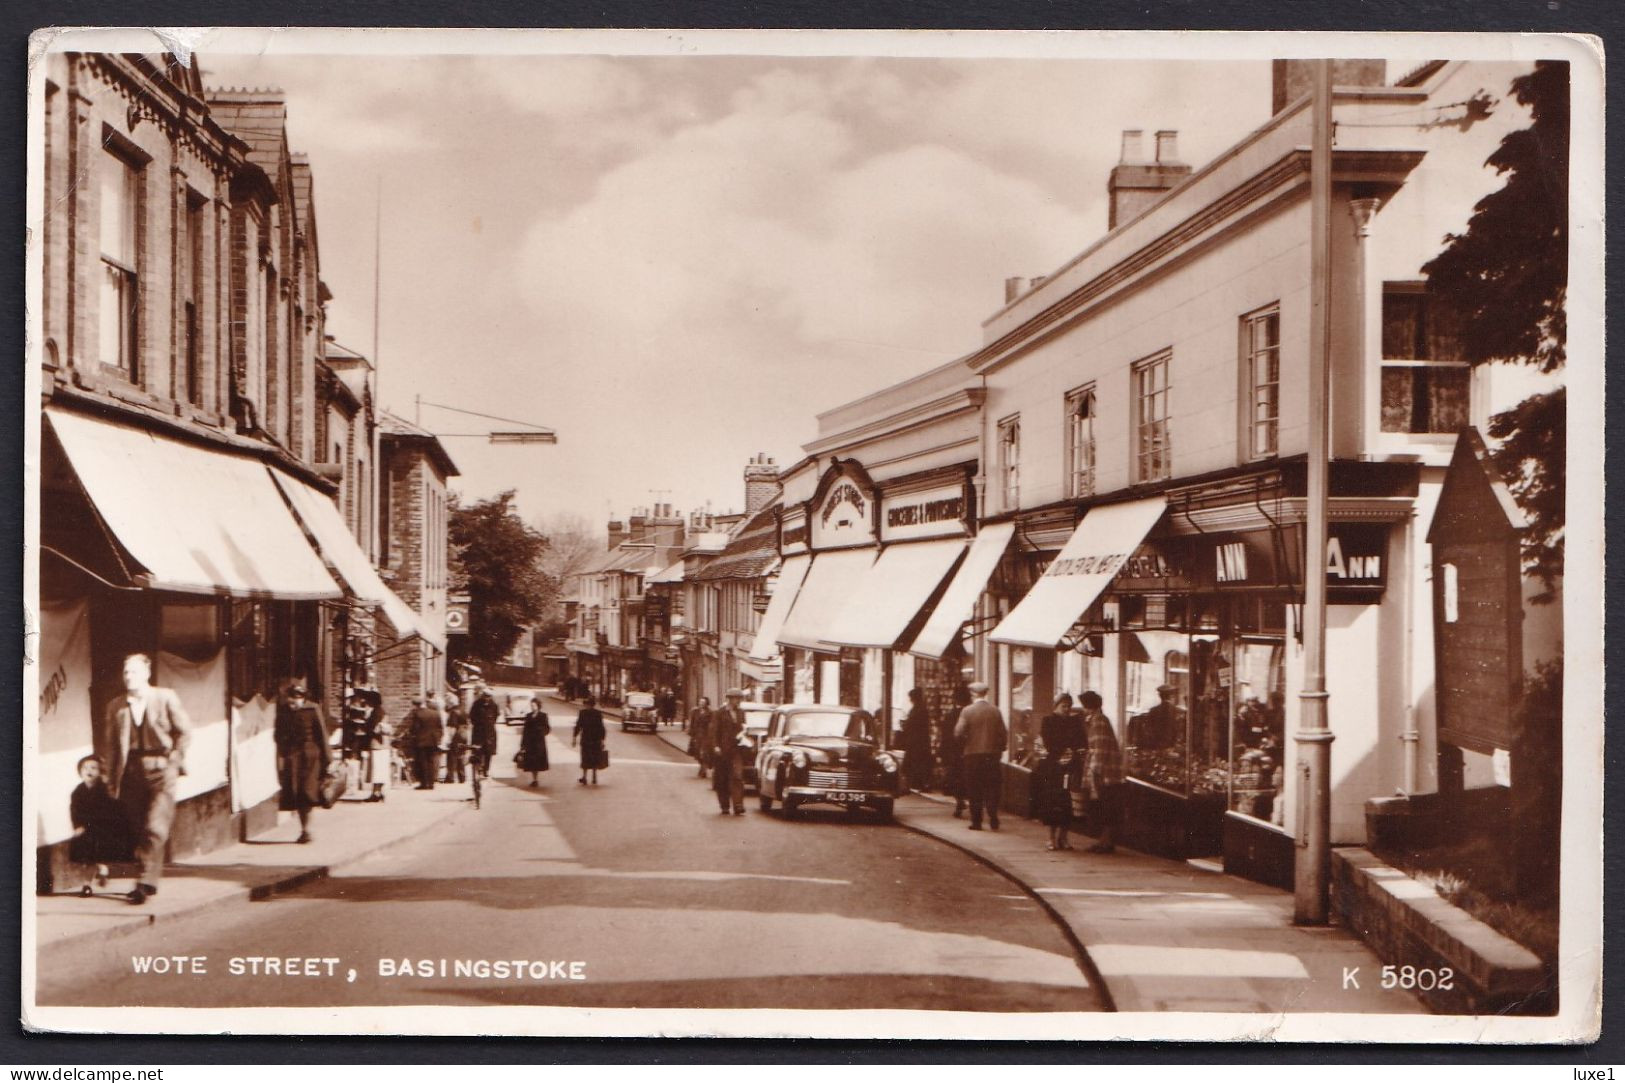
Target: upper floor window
{"points": [[1153, 455], [1010, 460], [1425, 389], [120, 217], [1261, 338], [189, 285], [1080, 441]]}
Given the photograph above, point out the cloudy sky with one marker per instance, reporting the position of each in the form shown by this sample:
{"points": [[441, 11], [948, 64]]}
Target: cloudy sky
{"points": [[677, 262]]}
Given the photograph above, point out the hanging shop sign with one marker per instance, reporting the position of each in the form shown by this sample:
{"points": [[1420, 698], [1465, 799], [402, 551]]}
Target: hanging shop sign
{"points": [[929, 513], [457, 618], [1161, 566]]}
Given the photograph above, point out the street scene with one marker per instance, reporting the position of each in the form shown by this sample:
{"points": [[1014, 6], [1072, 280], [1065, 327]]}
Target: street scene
{"points": [[705, 532]]}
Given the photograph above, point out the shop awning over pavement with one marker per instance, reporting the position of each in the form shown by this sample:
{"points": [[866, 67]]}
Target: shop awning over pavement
{"points": [[958, 602], [1090, 560], [832, 581], [197, 520], [892, 592], [791, 574], [335, 542]]}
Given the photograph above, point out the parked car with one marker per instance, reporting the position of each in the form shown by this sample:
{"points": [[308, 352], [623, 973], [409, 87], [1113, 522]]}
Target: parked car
{"points": [[817, 753], [757, 718], [639, 712], [517, 705]]}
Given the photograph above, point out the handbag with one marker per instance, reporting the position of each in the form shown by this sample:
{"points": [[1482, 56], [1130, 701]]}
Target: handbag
{"points": [[334, 783], [603, 759]]}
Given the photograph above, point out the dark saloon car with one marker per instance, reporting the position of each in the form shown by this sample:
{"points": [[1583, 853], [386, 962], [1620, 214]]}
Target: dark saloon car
{"points": [[822, 754]]}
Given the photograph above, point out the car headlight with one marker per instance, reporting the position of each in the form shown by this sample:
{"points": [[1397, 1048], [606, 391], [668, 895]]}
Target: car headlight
{"points": [[887, 764], [798, 759]]}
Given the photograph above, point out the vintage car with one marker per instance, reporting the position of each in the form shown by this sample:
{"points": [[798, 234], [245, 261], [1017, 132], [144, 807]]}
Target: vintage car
{"points": [[639, 712], [823, 754], [757, 717], [517, 707]]}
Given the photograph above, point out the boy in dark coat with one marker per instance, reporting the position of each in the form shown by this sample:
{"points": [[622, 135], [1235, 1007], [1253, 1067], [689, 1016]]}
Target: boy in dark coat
{"points": [[101, 831]]}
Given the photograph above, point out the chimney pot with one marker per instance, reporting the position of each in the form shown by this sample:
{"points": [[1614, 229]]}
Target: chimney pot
{"points": [[1133, 147], [1167, 146]]}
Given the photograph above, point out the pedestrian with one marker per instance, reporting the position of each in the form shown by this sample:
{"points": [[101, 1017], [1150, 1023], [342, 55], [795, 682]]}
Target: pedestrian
{"points": [[145, 733], [101, 833], [302, 755], [458, 729], [1103, 773], [728, 779], [377, 736], [668, 707], [699, 733], [982, 735], [1064, 742], [590, 732], [917, 760], [485, 716], [533, 741], [427, 728], [948, 751]]}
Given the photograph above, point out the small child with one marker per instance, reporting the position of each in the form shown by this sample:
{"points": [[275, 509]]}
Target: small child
{"points": [[101, 832]]}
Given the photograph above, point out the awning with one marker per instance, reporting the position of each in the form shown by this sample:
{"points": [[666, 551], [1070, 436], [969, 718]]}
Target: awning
{"points": [[766, 644], [958, 602], [832, 582], [335, 542], [892, 592], [1091, 558], [198, 520]]}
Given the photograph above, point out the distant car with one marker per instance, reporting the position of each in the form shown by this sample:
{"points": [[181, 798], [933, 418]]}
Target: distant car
{"points": [[516, 707], [639, 712], [817, 753], [757, 718]]}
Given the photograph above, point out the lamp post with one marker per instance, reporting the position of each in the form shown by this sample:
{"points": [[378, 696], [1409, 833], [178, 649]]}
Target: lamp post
{"points": [[1313, 739], [532, 433]]}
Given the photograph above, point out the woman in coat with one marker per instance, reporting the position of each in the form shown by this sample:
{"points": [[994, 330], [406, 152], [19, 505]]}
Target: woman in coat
{"points": [[302, 756], [590, 732], [917, 760], [533, 742], [1064, 747], [379, 735]]}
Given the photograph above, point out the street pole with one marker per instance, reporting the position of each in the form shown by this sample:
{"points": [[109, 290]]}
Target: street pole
{"points": [[1314, 736]]}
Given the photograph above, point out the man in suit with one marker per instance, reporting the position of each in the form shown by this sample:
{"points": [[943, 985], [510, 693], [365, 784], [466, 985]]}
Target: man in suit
{"points": [[726, 726], [981, 734], [427, 728], [486, 716], [145, 734]]}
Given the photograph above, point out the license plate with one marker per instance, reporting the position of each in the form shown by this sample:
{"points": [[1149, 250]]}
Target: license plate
{"points": [[843, 797]]}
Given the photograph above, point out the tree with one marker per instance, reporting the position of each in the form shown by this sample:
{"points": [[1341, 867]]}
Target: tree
{"points": [[1504, 283], [498, 559]]}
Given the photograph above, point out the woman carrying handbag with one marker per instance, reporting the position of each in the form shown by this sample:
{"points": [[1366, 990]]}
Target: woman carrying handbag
{"points": [[589, 732], [303, 758], [532, 755]]}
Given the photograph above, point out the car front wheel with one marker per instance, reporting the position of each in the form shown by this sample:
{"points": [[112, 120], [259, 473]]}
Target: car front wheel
{"points": [[765, 802], [884, 808]]}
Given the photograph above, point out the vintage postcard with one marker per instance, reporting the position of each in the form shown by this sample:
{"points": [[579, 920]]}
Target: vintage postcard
{"points": [[832, 534]]}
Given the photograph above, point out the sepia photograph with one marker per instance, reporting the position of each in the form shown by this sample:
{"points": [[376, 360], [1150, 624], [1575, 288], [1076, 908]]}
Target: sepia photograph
{"points": [[819, 534]]}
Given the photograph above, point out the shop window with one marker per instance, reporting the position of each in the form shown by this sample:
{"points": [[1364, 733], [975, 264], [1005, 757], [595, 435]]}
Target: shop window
{"points": [[190, 630], [1153, 456], [120, 282], [1262, 337], [1010, 461], [1258, 729], [1080, 441], [1425, 388]]}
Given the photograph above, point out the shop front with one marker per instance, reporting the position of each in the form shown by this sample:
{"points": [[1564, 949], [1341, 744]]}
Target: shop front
{"points": [[1189, 636], [188, 554]]}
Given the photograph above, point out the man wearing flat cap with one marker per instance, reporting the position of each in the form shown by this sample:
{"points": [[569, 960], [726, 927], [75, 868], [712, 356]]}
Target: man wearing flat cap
{"points": [[981, 735], [1163, 726], [728, 778]]}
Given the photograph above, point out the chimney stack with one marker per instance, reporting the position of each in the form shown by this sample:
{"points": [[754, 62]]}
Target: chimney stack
{"points": [[1014, 287], [617, 533], [1291, 78], [1135, 184], [761, 483]]}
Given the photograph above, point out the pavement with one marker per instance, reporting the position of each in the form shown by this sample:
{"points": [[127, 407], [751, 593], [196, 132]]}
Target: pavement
{"points": [[1159, 935], [267, 865]]}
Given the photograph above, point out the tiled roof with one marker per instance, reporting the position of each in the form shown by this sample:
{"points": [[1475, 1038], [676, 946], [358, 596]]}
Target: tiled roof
{"points": [[751, 552]]}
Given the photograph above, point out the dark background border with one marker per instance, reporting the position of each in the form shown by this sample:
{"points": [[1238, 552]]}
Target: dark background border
{"points": [[1604, 19]]}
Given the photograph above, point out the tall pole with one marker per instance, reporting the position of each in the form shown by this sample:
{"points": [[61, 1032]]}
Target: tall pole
{"points": [[1314, 736]]}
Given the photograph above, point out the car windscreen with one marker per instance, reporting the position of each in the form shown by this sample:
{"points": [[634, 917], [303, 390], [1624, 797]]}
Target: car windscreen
{"points": [[640, 699], [817, 724]]}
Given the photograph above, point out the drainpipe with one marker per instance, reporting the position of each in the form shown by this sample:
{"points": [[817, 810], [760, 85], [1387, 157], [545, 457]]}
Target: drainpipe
{"points": [[1410, 737]]}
